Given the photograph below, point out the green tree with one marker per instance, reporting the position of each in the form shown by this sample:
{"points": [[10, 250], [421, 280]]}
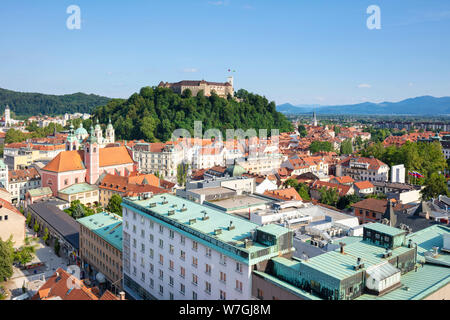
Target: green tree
{"points": [[57, 247], [345, 202], [182, 170], [346, 147], [6, 259], [302, 131], [435, 185], [46, 236], [115, 204], [317, 146], [24, 255], [329, 196], [36, 227], [28, 220]]}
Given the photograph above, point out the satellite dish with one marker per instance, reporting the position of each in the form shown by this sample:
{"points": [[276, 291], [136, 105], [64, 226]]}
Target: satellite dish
{"points": [[100, 277]]}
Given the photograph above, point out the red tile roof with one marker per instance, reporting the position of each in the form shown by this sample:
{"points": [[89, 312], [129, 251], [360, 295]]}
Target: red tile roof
{"points": [[342, 189], [284, 194], [364, 185], [57, 286]]}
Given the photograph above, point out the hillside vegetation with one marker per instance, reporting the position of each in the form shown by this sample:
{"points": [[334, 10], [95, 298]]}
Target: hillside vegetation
{"points": [[29, 104], [154, 113]]}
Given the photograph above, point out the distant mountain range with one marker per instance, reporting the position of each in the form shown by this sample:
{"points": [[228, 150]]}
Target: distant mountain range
{"points": [[425, 105], [27, 103]]}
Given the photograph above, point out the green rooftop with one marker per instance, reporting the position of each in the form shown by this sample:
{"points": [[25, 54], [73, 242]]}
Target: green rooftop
{"points": [[40, 192], [106, 225], [428, 278], [385, 229], [78, 188], [189, 217]]}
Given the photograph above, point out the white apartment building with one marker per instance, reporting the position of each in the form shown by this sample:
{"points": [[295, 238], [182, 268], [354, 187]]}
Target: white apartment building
{"points": [[177, 249], [261, 163], [4, 179], [363, 169], [162, 158], [208, 157], [20, 181]]}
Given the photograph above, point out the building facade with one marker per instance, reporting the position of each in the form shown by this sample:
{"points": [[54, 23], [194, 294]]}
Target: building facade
{"points": [[177, 249], [101, 247]]}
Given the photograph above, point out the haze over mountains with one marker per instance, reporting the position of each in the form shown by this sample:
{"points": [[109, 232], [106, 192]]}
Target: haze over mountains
{"points": [[425, 105]]}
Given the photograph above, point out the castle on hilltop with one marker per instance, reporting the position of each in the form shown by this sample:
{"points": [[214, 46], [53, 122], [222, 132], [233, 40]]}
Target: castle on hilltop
{"points": [[222, 89]]}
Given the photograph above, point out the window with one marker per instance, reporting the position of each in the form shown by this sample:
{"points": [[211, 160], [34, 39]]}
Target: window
{"points": [[182, 272], [171, 281], [170, 296], [66, 182], [194, 295], [223, 277], [161, 229], [208, 252], [239, 267], [208, 287], [161, 259], [151, 224], [161, 290], [134, 243], [182, 239], [161, 243], [142, 247], [194, 245], [151, 238], [161, 274], [208, 269], [170, 264], [182, 288], [223, 259], [238, 285], [260, 294], [142, 233], [194, 262], [182, 255], [194, 279], [171, 249], [223, 295], [171, 234], [151, 283], [151, 253]]}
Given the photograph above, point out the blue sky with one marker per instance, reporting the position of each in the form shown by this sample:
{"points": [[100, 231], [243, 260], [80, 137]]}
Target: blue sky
{"points": [[298, 51]]}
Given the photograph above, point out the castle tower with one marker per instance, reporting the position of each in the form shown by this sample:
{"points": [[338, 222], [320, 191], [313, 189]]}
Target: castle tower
{"points": [[7, 116], [92, 158], [110, 133], [72, 142]]}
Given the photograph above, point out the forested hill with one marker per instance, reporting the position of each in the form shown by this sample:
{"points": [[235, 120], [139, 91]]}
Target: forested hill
{"points": [[28, 104], [155, 113]]}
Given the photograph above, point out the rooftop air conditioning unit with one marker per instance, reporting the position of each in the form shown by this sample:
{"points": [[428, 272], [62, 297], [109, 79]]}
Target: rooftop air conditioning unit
{"points": [[152, 205], [171, 212], [217, 231], [192, 221]]}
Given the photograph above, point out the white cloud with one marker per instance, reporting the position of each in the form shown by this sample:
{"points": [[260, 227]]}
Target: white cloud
{"points": [[364, 85], [190, 70], [218, 3]]}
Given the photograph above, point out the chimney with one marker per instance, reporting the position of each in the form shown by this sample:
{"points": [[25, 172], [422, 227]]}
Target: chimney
{"points": [[342, 247], [122, 295]]}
